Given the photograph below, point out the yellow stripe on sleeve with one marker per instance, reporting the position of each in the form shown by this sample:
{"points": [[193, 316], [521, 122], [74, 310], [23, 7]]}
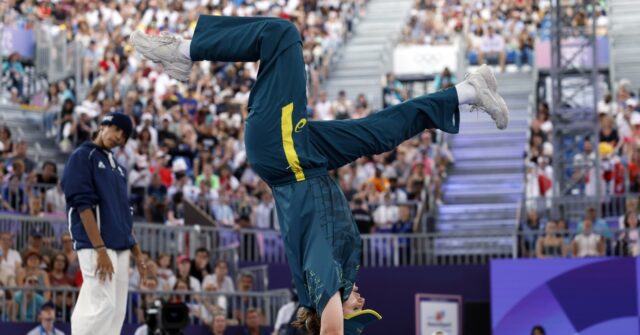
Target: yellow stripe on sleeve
{"points": [[287, 142]]}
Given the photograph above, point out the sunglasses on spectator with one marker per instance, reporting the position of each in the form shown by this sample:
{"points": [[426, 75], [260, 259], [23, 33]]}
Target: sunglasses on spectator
{"points": [[47, 319], [32, 281]]}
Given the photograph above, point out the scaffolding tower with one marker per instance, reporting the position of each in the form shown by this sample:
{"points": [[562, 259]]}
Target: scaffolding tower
{"points": [[574, 88]]}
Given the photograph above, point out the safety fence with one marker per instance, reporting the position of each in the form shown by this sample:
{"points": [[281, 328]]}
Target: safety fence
{"points": [[23, 304], [378, 250]]}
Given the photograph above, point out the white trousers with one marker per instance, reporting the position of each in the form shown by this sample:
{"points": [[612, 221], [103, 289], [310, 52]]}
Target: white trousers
{"points": [[101, 306]]}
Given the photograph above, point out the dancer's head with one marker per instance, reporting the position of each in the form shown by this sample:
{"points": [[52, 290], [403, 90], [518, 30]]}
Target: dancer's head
{"points": [[310, 320]]}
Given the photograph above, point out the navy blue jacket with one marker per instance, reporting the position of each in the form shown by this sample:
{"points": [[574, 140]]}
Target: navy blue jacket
{"points": [[92, 180]]}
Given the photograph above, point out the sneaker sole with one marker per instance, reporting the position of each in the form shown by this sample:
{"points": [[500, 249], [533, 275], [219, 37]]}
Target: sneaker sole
{"points": [[489, 77]]}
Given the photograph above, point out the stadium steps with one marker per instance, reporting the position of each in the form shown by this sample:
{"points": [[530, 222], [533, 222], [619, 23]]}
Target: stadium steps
{"points": [[361, 65], [625, 40], [485, 185], [27, 125]]}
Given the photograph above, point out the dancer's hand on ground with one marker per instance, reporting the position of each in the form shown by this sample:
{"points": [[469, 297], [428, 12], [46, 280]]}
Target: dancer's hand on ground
{"points": [[104, 269]]}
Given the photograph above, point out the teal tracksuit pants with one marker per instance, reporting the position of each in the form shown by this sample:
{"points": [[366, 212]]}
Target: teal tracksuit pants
{"points": [[293, 154]]}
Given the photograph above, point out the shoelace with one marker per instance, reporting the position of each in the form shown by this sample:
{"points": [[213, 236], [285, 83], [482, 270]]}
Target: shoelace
{"points": [[165, 37]]}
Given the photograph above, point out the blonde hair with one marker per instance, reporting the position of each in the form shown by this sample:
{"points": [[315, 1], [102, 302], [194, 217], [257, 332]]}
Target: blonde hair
{"points": [[308, 320]]}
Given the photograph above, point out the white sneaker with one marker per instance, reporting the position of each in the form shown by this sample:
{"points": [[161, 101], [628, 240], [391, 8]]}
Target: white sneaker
{"points": [[163, 49], [487, 98]]}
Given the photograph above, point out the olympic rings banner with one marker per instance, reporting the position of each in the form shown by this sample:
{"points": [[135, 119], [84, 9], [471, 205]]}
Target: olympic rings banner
{"points": [[424, 59], [586, 296]]}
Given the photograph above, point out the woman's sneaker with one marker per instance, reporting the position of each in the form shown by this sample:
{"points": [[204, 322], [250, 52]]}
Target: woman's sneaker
{"points": [[487, 98], [164, 49]]}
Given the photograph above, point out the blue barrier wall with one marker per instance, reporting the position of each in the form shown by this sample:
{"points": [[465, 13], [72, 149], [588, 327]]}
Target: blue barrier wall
{"points": [[390, 291]]}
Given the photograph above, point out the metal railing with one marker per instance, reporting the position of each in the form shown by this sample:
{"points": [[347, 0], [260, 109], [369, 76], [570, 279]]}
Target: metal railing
{"points": [[266, 246], [575, 207], [22, 304]]}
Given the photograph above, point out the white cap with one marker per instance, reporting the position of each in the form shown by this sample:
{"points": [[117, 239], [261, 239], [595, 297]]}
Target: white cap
{"points": [[147, 116], [179, 165], [631, 102]]}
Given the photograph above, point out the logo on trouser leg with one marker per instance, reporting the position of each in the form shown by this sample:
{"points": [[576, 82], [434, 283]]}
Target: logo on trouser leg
{"points": [[300, 125]]}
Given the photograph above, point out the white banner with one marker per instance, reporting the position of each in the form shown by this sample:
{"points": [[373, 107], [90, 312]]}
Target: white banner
{"points": [[438, 315], [424, 59]]}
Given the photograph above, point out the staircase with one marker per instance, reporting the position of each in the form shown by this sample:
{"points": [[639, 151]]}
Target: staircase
{"points": [[364, 57], [485, 187], [624, 40], [27, 125]]}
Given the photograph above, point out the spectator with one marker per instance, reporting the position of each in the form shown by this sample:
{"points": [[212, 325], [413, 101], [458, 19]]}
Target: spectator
{"points": [[37, 245], [14, 197], [200, 266], [342, 107], [10, 260], [243, 303], [6, 144], [362, 216], [146, 298], [46, 317], [54, 200], [210, 304], [222, 212], [600, 227], [219, 324], [404, 224], [550, 245], [444, 80], [48, 176], [530, 231], [265, 214], [252, 323], [72, 256], [184, 273], [208, 177], [175, 214], [63, 303], [166, 276], [15, 72], [492, 48], [393, 92], [587, 243], [140, 180], [27, 302], [628, 239], [32, 268], [286, 316], [58, 267], [156, 202], [386, 214], [221, 277]]}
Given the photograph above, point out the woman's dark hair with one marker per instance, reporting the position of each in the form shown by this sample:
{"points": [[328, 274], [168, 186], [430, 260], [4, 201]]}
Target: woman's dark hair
{"points": [[308, 320], [626, 217], [53, 261], [538, 328]]}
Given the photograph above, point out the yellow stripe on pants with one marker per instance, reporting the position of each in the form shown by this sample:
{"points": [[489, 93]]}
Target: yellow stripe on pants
{"points": [[287, 142]]}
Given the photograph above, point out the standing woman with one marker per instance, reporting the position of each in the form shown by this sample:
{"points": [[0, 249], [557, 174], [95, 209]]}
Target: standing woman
{"points": [[100, 224]]}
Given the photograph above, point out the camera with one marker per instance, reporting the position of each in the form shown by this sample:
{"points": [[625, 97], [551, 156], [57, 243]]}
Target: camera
{"points": [[166, 318]]}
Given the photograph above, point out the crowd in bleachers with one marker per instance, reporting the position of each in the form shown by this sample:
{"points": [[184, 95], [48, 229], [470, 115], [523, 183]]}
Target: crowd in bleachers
{"points": [[50, 263], [188, 142], [495, 32], [619, 156]]}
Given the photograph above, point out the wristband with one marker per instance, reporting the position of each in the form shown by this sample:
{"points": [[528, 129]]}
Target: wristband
{"points": [[99, 247]]}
